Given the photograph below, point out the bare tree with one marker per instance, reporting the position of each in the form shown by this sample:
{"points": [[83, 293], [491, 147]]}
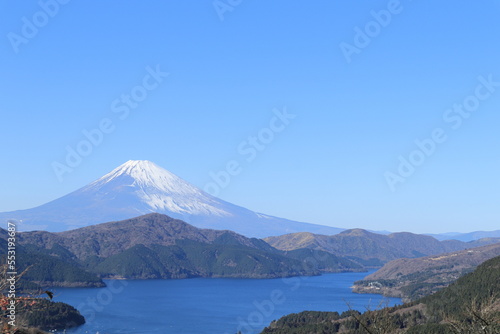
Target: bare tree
{"points": [[477, 317], [23, 303], [378, 321]]}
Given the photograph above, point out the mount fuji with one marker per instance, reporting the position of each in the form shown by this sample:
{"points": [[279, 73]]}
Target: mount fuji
{"points": [[140, 187]]}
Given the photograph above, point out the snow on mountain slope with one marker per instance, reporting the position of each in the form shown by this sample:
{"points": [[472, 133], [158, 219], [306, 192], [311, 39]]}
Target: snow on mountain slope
{"points": [[140, 187], [158, 189]]}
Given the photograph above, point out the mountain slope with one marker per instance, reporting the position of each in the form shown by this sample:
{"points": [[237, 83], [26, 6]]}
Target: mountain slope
{"points": [[415, 278], [195, 259], [158, 246], [141, 187], [111, 238], [470, 305], [369, 247], [47, 268]]}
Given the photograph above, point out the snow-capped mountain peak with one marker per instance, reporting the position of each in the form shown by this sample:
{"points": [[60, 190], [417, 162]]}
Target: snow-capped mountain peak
{"points": [[139, 187], [159, 189], [147, 174]]}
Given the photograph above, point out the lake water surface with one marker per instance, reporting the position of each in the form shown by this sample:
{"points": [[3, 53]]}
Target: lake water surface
{"points": [[213, 306]]}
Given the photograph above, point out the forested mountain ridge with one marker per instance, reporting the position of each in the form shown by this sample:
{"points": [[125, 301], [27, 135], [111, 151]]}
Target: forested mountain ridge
{"points": [[49, 268], [111, 238], [470, 305], [415, 278], [158, 246], [368, 247]]}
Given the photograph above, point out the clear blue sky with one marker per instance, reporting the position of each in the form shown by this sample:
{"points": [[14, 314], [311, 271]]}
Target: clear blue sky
{"points": [[354, 119]]}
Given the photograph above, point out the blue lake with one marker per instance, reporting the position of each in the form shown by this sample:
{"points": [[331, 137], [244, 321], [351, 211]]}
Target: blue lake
{"points": [[213, 306]]}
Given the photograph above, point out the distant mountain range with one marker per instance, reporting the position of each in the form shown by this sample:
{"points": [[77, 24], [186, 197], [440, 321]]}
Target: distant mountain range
{"points": [[471, 236], [141, 187], [158, 246], [414, 278], [373, 249]]}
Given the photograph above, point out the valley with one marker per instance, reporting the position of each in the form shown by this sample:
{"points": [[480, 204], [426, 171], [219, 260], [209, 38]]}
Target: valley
{"points": [[156, 246], [470, 305], [411, 279], [141, 222]]}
